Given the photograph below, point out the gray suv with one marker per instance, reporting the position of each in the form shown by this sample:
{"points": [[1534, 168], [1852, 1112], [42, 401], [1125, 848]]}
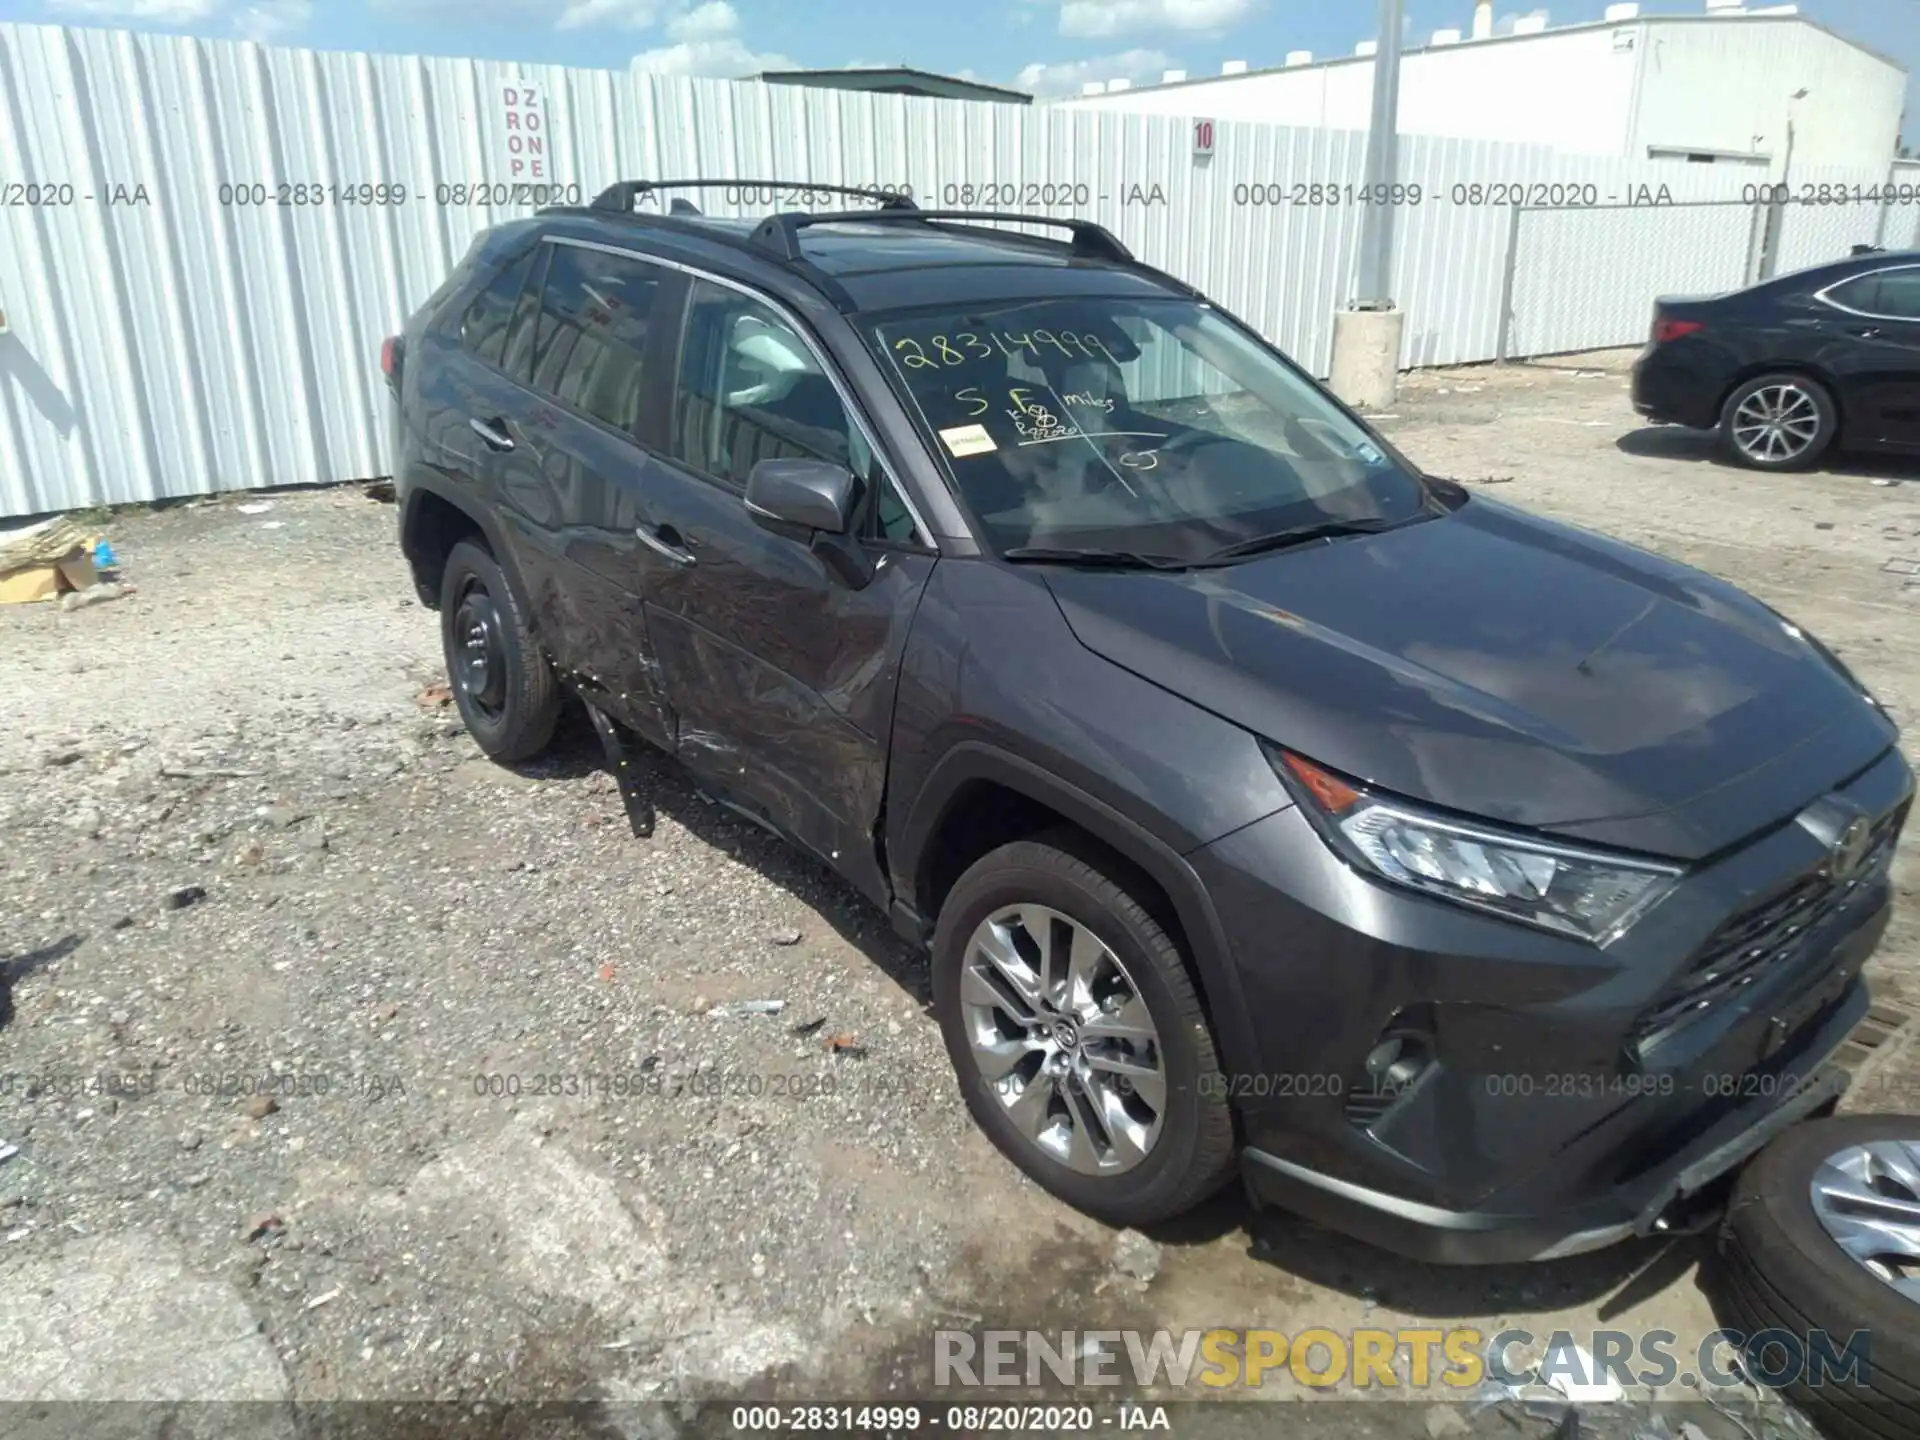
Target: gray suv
{"points": [[1464, 881]]}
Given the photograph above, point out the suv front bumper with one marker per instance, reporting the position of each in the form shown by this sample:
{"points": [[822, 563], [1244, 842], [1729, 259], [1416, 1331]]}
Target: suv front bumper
{"points": [[1658, 1201], [1554, 1102]]}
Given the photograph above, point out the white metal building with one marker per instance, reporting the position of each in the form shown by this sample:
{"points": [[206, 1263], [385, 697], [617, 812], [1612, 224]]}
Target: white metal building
{"points": [[1725, 85]]}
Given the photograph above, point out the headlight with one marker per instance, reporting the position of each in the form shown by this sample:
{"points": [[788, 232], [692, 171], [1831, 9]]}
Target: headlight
{"points": [[1587, 893]]}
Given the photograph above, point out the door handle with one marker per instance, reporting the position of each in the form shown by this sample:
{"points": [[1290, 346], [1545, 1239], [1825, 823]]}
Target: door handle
{"points": [[494, 432], [665, 540]]}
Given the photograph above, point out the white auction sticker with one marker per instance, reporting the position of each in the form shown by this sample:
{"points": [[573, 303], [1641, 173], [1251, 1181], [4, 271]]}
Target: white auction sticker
{"points": [[964, 440]]}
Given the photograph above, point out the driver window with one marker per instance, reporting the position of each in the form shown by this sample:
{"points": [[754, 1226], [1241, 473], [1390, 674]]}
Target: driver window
{"points": [[751, 390]]}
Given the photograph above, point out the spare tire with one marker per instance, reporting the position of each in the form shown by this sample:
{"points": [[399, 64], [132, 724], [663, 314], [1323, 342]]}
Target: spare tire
{"points": [[1819, 1268]]}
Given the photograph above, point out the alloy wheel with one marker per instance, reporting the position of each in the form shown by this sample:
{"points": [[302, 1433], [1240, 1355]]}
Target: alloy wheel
{"points": [[480, 662], [1867, 1197], [1063, 1039], [1776, 424]]}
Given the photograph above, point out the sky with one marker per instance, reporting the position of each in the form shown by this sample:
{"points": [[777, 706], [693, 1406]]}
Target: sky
{"points": [[1048, 47]]}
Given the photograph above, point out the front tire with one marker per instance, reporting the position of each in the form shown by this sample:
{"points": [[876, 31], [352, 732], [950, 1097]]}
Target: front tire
{"points": [[505, 689], [1081, 1045], [1778, 422]]}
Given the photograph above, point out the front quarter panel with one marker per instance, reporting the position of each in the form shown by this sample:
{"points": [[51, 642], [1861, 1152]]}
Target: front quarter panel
{"points": [[991, 662]]}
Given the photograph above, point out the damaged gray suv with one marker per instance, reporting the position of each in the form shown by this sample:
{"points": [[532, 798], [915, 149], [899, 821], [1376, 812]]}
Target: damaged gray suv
{"points": [[1268, 806]]}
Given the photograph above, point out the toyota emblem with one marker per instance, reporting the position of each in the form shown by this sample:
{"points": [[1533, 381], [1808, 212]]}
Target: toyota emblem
{"points": [[1849, 851]]}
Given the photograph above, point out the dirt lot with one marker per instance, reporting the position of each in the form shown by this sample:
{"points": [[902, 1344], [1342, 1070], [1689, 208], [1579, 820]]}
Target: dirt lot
{"points": [[238, 844]]}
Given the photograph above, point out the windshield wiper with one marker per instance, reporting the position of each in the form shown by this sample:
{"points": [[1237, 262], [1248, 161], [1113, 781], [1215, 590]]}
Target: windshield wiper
{"points": [[1106, 559], [1298, 535]]}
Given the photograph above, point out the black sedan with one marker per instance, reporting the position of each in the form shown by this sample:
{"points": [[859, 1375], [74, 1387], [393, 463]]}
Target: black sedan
{"points": [[1793, 366]]}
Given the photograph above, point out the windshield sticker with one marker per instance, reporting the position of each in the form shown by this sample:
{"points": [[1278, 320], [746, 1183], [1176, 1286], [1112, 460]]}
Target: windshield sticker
{"points": [[964, 440], [937, 351]]}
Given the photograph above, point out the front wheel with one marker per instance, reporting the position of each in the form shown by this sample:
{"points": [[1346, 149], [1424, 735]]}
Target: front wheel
{"points": [[1778, 422], [1080, 1042]]}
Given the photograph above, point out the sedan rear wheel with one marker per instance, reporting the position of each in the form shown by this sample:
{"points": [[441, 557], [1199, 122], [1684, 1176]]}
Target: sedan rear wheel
{"points": [[1778, 422]]}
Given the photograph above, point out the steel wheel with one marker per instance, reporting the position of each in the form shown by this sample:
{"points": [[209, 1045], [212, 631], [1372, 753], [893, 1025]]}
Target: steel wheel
{"points": [[480, 664], [1776, 424], [1867, 1197], [1063, 1039]]}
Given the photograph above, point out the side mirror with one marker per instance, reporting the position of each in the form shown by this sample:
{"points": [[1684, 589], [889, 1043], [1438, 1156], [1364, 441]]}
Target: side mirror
{"points": [[812, 495]]}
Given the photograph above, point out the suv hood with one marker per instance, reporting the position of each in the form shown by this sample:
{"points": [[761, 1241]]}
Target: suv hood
{"points": [[1504, 666]]}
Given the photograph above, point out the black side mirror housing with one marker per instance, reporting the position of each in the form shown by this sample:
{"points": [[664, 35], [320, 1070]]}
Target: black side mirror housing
{"points": [[814, 501], [811, 495]]}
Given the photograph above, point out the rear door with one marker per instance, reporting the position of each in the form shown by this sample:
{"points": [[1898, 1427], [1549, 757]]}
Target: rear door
{"points": [[1878, 363], [781, 671], [589, 353]]}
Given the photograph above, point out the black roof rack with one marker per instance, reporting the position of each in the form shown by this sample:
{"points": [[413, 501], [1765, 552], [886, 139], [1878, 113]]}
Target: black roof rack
{"points": [[780, 234], [624, 195]]}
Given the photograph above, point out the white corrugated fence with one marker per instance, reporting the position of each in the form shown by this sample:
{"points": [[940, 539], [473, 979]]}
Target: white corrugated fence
{"points": [[202, 243]]}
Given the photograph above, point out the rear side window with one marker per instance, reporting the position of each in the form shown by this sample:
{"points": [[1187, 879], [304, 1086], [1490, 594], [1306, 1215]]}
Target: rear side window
{"points": [[483, 329], [1883, 292], [1899, 294], [590, 341]]}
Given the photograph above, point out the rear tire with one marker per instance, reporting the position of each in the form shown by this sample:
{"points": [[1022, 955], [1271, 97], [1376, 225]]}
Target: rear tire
{"points": [[1780, 1269], [1779, 421], [504, 687], [1129, 1129]]}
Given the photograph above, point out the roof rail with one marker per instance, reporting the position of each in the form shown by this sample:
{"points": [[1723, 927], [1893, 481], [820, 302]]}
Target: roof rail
{"points": [[625, 194], [780, 233]]}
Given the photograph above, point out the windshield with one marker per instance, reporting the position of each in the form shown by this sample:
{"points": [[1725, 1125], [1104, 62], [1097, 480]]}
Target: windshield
{"points": [[1153, 427]]}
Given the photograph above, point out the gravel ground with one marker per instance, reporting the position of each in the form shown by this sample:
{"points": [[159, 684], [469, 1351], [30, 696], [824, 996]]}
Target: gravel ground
{"points": [[484, 1120]]}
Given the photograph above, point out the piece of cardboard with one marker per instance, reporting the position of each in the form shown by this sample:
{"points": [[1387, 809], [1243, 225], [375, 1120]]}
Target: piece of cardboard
{"points": [[29, 583], [25, 584], [77, 571]]}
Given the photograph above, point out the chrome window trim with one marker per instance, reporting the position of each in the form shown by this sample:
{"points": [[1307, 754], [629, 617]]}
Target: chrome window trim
{"points": [[827, 367], [1825, 298]]}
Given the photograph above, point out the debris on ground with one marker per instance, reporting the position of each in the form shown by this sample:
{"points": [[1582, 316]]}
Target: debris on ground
{"points": [[788, 936], [1135, 1256], [255, 507], [97, 593], [381, 490], [1587, 1385], [1444, 1421], [183, 896], [264, 1224], [437, 694], [750, 1007], [7, 1152], [809, 1027], [43, 560], [844, 1045], [260, 1106]]}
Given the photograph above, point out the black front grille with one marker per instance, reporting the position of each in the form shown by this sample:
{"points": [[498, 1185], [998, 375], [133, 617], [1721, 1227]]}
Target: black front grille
{"points": [[1755, 941]]}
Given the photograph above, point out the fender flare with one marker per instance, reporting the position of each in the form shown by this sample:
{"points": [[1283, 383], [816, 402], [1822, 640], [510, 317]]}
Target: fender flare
{"points": [[969, 761], [484, 520]]}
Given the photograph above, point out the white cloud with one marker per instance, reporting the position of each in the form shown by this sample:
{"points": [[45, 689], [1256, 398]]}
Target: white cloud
{"points": [[1067, 77], [707, 42], [483, 12], [726, 59], [628, 14], [1101, 19], [153, 12], [271, 20], [711, 21], [1504, 25]]}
